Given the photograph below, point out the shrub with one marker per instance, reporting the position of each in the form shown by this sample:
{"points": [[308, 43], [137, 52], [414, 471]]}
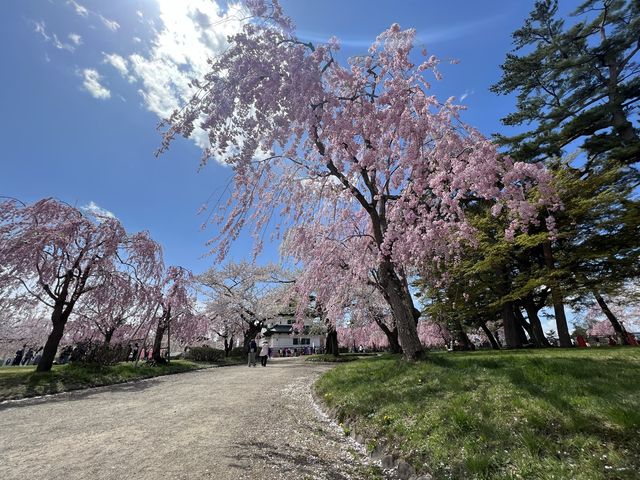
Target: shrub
{"points": [[98, 353], [237, 352], [204, 354]]}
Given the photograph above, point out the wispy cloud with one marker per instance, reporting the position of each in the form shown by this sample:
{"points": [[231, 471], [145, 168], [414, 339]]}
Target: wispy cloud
{"points": [[110, 24], [85, 12], [429, 36], [39, 28], [53, 38], [466, 94], [91, 83], [96, 210], [75, 38], [80, 10]]}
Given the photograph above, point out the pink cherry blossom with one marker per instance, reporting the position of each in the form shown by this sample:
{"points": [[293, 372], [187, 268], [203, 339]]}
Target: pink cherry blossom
{"points": [[367, 173]]}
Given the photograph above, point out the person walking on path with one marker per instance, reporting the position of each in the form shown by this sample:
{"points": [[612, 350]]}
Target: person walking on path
{"points": [[18, 358], [264, 354], [28, 357], [253, 347]]}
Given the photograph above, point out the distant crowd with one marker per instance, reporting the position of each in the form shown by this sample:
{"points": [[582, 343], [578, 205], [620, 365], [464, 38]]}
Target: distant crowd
{"points": [[32, 355], [24, 356]]}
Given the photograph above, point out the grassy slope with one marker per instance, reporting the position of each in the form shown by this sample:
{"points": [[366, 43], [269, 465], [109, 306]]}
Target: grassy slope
{"points": [[19, 382], [571, 414]]}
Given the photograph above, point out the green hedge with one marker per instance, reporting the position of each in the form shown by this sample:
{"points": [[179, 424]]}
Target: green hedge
{"points": [[238, 352], [204, 354]]}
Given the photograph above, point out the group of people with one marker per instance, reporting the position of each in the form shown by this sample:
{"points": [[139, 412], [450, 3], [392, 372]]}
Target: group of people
{"points": [[265, 352], [24, 356], [253, 352]]}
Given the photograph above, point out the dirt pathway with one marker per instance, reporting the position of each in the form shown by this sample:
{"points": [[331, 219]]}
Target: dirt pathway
{"points": [[223, 423]]}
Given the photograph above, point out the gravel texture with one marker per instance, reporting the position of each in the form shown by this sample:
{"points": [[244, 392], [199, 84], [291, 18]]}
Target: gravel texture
{"points": [[222, 423]]}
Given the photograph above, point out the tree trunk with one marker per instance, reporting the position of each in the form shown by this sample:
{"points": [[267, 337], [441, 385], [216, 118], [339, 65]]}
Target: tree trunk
{"points": [[617, 326], [492, 340], [524, 326], [228, 345], [463, 338], [392, 336], [403, 312], [250, 334], [108, 336], [157, 343], [512, 338], [534, 321], [332, 342], [58, 319], [556, 295]]}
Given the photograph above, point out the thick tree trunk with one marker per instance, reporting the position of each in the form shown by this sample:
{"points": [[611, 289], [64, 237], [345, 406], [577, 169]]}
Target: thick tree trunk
{"points": [[332, 342], [403, 312], [512, 338], [157, 343], [556, 296], [534, 321], [492, 340], [523, 326], [617, 326], [58, 319]]}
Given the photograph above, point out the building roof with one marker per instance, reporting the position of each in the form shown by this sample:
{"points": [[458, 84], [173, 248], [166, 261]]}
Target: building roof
{"points": [[278, 329]]}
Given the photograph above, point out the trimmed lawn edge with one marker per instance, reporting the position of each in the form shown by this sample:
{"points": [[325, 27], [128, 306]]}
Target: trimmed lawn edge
{"points": [[375, 447], [54, 390]]}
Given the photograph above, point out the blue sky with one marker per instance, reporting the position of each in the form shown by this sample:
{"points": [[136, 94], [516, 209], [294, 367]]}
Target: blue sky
{"points": [[86, 82]]}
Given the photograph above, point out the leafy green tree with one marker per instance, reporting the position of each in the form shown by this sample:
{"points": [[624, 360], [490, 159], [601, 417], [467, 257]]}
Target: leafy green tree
{"points": [[578, 85], [575, 83]]}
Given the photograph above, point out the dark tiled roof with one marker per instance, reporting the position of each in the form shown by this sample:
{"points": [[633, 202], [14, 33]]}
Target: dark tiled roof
{"points": [[278, 329]]}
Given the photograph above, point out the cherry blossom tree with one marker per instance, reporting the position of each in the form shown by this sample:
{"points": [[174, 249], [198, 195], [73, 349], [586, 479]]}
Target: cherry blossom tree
{"points": [[122, 301], [175, 306], [369, 314], [433, 335], [242, 298], [226, 325], [626, 308], [358, 153], [57, 255]]}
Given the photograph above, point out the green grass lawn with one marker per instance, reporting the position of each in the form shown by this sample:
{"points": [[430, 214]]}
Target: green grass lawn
{"points": [[19, 382], [561, 414]]}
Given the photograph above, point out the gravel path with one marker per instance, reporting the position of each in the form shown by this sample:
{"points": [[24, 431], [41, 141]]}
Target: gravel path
{"points": [[222, 423]]}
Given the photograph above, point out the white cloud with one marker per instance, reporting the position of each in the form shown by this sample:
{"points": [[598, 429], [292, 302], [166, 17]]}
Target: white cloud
{"points": [[75, 38], [41, 29], [91, 83], [192, 32], [61, 45], [97, 210], [110, 24], [466, 94], [80, 10], [117, 62], [84, 12]]}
